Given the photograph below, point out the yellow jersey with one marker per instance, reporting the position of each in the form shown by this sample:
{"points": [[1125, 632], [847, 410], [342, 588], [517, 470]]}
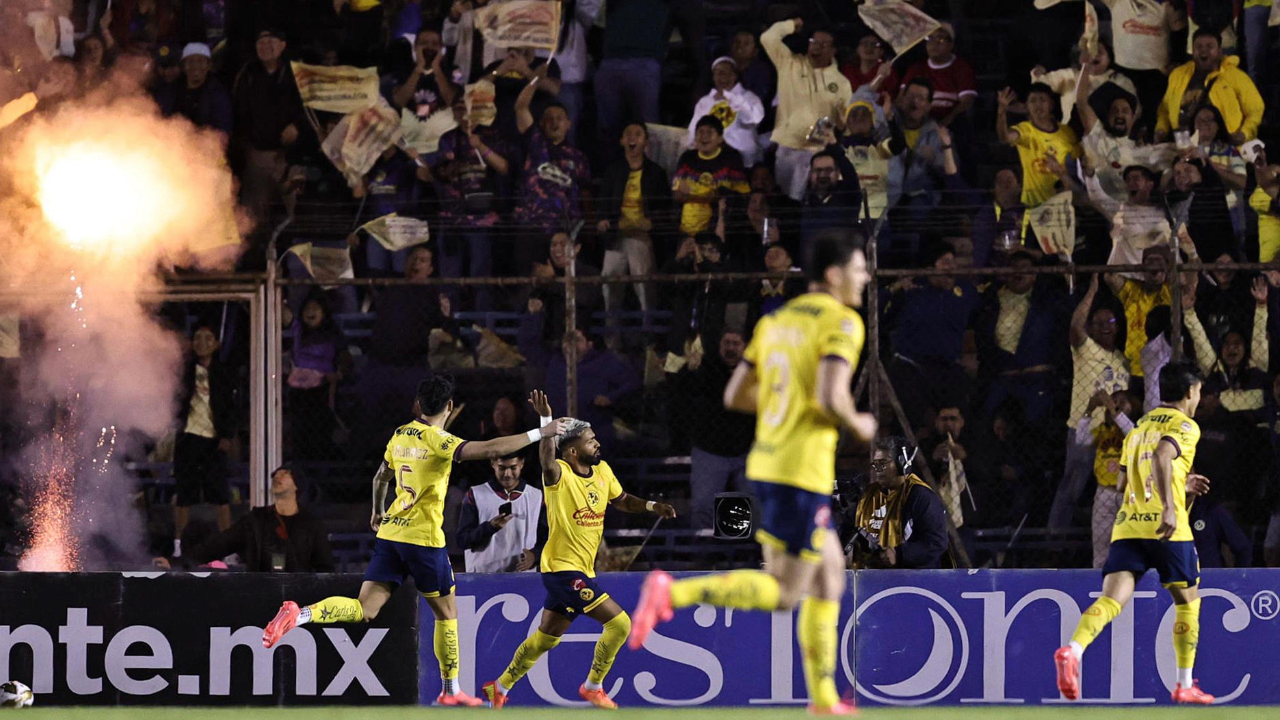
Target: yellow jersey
{"points": [[421, 456], [1034, 145], [575, 517], [795, 437], [1139, 514]]}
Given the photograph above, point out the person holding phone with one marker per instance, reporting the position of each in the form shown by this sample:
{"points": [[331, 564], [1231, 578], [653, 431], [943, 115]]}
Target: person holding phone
{"points": [[501, 527]]}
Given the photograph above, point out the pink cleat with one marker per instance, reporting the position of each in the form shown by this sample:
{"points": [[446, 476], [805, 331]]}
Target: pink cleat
{"points": [[497, 700], [654, 607], [840, 708], [1192, 695], [597, 697], [283, 622], [458, 699], [1068, 673]]}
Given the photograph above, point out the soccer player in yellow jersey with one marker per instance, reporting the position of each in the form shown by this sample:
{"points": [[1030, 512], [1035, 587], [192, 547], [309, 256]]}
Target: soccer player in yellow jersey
{"points": [[796, 376], [577, 489], [1151, 532], [410, 531]]}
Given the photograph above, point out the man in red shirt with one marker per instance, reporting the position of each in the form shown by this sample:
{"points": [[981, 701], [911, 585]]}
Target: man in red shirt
{"points": [[865, 69], [954, 87]]}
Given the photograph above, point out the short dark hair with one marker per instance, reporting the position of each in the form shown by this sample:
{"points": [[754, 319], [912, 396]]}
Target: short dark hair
{"points": [[638, 123], [711, 122], [832, 247], [1177, 379], [1206, 32], [553, 104], [934, 250], [434, 393], [922, 82], [1147, 172]]}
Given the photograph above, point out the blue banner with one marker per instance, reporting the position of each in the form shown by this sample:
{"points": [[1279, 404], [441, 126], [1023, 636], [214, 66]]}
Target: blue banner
{"points": [[922, 637]]}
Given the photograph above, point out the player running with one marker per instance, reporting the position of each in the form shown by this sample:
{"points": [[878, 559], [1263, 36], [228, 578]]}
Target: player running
{"points": [[1151, 532], [410, 539], [796, 376], [576, 489]]}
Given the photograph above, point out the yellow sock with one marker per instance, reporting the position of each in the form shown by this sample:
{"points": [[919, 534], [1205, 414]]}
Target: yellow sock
{"points": [[334, 610], [534, 647], [817, 630], [745, 589], [1186, 634], [1097, 617], [607, 647], [446, 645]]}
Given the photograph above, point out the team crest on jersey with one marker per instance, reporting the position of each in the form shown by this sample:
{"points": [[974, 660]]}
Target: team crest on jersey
{"points": [[832, 87], [592, 498], [586, 594], [1186, 427], [1120, 517]]}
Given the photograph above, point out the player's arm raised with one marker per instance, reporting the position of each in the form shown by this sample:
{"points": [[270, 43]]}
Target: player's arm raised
{"points": [[1162, 470], [628, 503], [741, 392], [499, 447], [835, 395], [547, 446], [382, 480]]}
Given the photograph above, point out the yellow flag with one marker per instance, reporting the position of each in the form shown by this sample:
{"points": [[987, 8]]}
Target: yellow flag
{"points": [[324, 263]]}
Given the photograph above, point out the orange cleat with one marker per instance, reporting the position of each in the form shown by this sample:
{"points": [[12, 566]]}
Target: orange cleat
{"points": [[654, 607], [840, 708], [496, 699], [597, 697], [1192, 695], [458, 699], [283, 622], [1068, 673]]}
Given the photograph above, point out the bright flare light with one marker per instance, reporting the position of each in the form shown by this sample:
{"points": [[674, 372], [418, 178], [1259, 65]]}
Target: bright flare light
{"points": [[108, 201]]}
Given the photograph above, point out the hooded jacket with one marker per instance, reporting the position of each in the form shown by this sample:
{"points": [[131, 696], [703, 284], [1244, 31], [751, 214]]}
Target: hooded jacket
{"points": [[805, 93], [1233, 93]]}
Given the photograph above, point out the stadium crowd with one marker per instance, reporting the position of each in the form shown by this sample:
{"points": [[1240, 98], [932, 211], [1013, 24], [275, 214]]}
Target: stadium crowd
{"points": [[796, 118]]}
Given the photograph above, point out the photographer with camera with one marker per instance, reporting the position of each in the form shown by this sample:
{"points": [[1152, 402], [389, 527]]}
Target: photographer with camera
{"points": [[900, 521]]}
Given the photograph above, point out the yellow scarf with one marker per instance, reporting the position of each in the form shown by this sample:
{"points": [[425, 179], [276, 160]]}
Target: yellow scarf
{"points": [[890, 535]]}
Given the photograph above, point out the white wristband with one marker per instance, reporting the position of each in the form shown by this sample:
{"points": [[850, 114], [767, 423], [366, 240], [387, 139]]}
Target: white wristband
{"points": [[649, 505], [534, 435], [545, 421]]}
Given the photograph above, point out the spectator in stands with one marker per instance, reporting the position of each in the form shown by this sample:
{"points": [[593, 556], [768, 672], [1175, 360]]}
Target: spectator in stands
{"points": [[143, 24], [201, 98], [720, 438], [400, 345], [1139, 298], [551, 296], [870, 141], [1194, 184], [833, 197], [468, 167], [320, 361], [1105, 143], [755, 74], [1038, 140], [636, 207], [427, 87], [773, 294], [1223, 300], [927, 323], [168, 71], [1215, 149], [1139, 222], [1097, 364], [1257, 41], [998, 225], [205, 426], [915, 174], [518, 69], [577, 18], [900, 521], [555, 191], [1241, 382], [950, 76], [605, 379], [738, 110], [811, 91], [1017, 329], [267, 116], [1095, 70], [281, 537], [1263, 192], [697, 309], [496, 541], [1106, 438], [947, 449], [1214, 529], [865, 68], [94, 54], [1140, 32], [1210, 78], [704, 175], [471, 54]]}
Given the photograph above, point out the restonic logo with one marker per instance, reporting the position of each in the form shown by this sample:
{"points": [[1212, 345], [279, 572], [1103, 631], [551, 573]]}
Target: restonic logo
{"points": [[122, 666]]}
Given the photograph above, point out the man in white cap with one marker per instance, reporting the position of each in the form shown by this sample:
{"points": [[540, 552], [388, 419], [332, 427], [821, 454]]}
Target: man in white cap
{"points": [[199, 97], [736, 107], [954, 86]]}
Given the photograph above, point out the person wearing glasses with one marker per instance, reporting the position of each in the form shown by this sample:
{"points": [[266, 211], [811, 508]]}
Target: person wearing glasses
{"points": [[954, 86], [900, 520], [864, 68]]}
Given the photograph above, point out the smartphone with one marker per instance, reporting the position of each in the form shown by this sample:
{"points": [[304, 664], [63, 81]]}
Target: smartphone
{"points": [[504, 508], [1249, 151]]}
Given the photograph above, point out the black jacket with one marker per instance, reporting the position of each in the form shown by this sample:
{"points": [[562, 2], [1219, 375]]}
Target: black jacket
{"points": [[221, 398], [711, 427], [655, 195], [258, 535]]}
